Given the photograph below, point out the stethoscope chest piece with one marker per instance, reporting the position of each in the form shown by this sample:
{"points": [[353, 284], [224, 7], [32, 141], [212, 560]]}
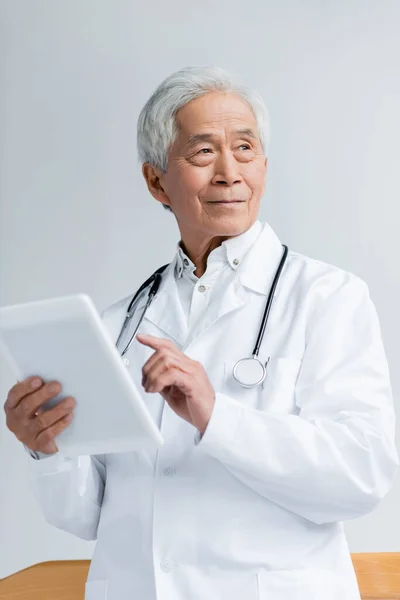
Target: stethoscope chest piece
{"points": [[249, 372]]}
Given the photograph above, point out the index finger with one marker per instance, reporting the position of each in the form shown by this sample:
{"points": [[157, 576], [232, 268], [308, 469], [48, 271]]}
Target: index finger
{"points": [[154, 342], [22, 389]]}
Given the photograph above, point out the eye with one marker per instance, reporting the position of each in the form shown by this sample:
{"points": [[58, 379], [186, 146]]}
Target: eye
{"points": [[204, 151], [245, 146]]}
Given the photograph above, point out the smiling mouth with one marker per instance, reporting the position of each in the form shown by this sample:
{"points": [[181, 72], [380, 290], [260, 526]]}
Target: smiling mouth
{"points": [[227, 202]]}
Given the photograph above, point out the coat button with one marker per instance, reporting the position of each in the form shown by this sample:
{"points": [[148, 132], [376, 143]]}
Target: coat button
{"points": [[202, 288], [236, 261], [126, 361], [186, 262], [166, 566], [169, 471]]}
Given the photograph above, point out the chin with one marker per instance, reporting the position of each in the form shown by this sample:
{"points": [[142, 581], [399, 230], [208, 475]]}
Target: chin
{"points": [[231, 226]]}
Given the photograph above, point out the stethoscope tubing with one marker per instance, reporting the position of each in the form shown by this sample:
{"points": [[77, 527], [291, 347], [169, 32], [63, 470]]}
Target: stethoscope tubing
{"points": [[267, 310], [156, 279]]}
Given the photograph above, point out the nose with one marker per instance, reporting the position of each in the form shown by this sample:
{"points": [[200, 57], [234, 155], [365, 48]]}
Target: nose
{"points": [[226, 170]]}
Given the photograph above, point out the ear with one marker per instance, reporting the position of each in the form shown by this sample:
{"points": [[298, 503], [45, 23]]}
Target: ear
{"points": [[153, 176]]}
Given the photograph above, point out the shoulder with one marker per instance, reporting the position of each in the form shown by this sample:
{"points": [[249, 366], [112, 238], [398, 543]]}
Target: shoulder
{"points": [[121, 306], [321, 283]]}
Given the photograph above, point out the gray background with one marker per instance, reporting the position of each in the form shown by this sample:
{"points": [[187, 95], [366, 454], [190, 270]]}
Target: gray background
{"points": [[75, 215]]}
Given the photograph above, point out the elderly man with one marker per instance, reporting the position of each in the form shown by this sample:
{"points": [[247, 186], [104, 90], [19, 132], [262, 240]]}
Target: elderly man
{"points": [[246, 499]]}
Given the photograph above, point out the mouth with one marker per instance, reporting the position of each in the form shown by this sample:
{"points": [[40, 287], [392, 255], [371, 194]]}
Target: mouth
{"points": [[227, 202]]}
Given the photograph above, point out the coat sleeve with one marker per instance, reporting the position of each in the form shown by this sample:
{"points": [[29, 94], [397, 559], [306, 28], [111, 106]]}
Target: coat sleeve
{"points": [[70, 491], [336, 458]]}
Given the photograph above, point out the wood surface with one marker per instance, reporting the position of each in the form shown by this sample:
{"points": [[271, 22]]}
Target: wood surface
{"points": [[378, 576]]}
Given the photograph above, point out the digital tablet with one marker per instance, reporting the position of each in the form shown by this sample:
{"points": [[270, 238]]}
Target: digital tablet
{"points": [[64, 339]]}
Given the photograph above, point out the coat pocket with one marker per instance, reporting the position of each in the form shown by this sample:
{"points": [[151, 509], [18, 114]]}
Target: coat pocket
{"points": [[96, 590], [277, 392], [193, 583], [299, 584]]}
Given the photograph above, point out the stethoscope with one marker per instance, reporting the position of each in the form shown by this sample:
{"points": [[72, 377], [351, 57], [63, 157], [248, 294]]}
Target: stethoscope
{"points": [[248, 372]]}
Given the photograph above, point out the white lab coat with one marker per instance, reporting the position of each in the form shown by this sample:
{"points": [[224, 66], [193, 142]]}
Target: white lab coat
{"points": [[254, 510]]}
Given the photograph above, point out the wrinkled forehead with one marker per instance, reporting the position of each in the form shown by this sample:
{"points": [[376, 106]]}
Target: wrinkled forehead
{"points": [[215, 113]]}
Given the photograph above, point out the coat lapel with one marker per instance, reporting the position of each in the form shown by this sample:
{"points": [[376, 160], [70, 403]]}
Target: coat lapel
{"points": [[256, 273], [165, 311]]}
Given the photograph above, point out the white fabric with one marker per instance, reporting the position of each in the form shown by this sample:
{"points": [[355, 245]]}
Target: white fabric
{"points": [[221, 261], [255, 509]]}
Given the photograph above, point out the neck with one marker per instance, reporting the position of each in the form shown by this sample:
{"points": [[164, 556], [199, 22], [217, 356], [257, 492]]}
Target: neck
{"points": [[199, 251]]}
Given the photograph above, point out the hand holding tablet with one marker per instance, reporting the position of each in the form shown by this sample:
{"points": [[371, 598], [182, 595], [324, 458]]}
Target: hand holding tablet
{"points": [[31, 424], [63, 340]]}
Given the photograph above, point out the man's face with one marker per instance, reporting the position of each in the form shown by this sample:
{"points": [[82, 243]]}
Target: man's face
{"points": [[216, 167]]}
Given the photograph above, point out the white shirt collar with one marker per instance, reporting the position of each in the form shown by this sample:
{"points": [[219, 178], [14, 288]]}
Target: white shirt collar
{"points": [[231, 251]]}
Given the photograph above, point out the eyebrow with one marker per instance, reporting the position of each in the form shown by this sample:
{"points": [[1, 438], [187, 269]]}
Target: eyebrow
{"points": [[208, 137]]}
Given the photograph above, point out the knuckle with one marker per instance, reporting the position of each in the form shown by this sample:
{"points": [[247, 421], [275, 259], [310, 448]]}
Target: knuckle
{"points": [[10, 396], [14, 388], [14, 424]]}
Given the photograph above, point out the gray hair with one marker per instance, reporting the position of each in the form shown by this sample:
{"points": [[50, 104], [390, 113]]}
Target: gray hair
{"points": [[157, 127]]}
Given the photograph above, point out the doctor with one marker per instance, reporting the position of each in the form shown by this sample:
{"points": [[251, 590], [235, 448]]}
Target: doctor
{"points": [[246, 499]]}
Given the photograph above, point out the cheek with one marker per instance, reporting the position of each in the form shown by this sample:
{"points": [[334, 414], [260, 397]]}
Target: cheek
{"points": [[190, 181], [255, 176]]}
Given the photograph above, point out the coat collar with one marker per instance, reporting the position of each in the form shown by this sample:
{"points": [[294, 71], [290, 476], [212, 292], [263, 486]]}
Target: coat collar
{"points": [[256, 273], [259, 266], [231, 251]]}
